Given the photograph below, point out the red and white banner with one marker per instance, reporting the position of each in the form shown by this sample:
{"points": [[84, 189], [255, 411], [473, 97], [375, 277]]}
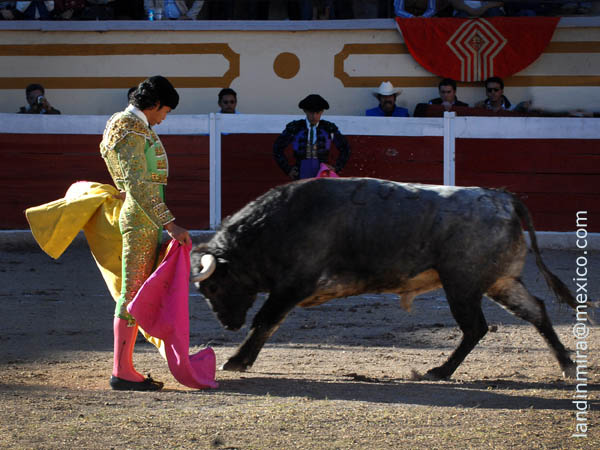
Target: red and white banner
{"points": [[476, 49]]}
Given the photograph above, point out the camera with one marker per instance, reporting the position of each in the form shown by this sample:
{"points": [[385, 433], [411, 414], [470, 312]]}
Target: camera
{"points": [[40, 100]]}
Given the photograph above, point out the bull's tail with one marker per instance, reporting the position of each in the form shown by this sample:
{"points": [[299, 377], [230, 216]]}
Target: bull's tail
{"points": [[561, 291]]}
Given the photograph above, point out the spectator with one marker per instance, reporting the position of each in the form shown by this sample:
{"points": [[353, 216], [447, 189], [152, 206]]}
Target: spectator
{"points": [[576, 7], [68, 9], [468, 8], [343, 10], [496, 101], [37, 102], [257, 9], [227, 101], [99, 10], [171, 9], [385, 8], [129, 10], [416, 6], [387, 94], [220, 9], [8, 10], [447, 98], [300, 9], [36, 9], [322, 9], [311, 140]]}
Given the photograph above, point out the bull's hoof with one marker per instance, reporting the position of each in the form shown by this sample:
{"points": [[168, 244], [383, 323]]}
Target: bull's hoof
{"points": [[235, 366], [436, 374]]}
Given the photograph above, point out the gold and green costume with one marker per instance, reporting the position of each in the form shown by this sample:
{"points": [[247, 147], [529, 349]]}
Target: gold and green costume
{"points": [[137, 162]]}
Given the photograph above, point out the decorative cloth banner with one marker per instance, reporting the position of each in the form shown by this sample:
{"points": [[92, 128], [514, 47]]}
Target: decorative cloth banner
{"points": [[476, 49]]}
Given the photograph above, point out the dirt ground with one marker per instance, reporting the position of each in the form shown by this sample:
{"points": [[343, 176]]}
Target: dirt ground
{"points": [[338, 376]]}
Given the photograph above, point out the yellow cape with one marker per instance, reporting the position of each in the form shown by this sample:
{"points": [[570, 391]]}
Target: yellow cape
{"points": [[95, 208]]}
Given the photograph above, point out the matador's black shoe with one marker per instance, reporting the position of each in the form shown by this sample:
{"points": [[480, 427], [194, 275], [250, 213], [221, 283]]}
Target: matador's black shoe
{"points": [[119, 384]]}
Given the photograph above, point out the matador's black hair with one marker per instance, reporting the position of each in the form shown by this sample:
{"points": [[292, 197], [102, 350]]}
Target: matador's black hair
{"points": [[156, 90]]}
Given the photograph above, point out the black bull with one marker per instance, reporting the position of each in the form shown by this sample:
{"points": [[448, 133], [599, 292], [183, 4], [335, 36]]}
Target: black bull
{"points": [[311, 241]]}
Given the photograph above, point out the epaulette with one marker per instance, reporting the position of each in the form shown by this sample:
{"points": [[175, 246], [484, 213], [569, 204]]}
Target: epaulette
{"points": [[329, 127], [295, 126], [119, 126]]}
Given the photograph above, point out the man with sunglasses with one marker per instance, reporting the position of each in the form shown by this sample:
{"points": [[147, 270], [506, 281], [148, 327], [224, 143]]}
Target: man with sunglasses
{"points": [[495, 101]]}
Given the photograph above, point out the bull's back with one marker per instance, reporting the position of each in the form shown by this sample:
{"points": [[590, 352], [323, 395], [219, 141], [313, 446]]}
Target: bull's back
{"points": [[378, 226]]}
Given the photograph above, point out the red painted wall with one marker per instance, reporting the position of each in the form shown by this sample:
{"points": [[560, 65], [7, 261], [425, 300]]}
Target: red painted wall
{"points": [[39, 168], [555, 178]]}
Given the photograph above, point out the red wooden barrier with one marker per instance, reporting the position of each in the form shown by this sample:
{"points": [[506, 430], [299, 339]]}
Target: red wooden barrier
{"points": [[39, 168], [556, 178]]}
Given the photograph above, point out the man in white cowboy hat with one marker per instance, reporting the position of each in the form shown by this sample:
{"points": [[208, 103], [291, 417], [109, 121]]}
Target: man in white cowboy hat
{"points": [[386, 93]]}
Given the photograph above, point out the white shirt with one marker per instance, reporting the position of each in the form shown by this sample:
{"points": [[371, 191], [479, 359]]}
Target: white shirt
{"points": [[137, 112], [308, 124]]}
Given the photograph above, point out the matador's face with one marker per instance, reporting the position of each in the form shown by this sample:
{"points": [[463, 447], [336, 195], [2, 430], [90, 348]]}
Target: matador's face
{"points": [[156, 115]]}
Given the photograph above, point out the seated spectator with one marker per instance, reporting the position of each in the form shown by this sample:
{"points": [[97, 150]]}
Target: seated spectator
{"points": [[385, 8], [576, 7], [220, 9], [8, 11], [424, 8], [344, 10], [227, 101], [257, 9], [98, 10], [172, 9], [322, 9], [129, 10], [37, 102], [386, 93], [300, 9], [447, 98], [527, 8], [69, 9], [36, 9], [495, 101], [311, 139], [468, 8]]}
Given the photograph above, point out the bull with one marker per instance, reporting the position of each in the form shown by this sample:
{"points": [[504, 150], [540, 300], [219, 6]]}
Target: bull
{"points": [[310, 241]]}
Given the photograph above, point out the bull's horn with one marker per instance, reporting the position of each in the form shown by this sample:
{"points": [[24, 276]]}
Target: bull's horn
{"points": [[209, 264]]}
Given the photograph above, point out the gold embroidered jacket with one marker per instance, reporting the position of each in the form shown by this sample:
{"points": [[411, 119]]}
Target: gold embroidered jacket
{"points": [[138, 165]]}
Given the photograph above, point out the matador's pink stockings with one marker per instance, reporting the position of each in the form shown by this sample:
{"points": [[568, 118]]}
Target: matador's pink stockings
{"points": [[124, 341]]}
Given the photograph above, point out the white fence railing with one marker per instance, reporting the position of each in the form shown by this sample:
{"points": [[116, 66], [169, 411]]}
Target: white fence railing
{"points": [[449, 128]]}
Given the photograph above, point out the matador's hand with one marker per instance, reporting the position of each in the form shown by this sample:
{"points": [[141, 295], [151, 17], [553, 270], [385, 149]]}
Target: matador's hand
{"points": [[181, 235]]}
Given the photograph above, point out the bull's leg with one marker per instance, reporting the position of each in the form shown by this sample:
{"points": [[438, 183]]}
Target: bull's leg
{"points": [[265, 323], [512, 294], [469, 316]]}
